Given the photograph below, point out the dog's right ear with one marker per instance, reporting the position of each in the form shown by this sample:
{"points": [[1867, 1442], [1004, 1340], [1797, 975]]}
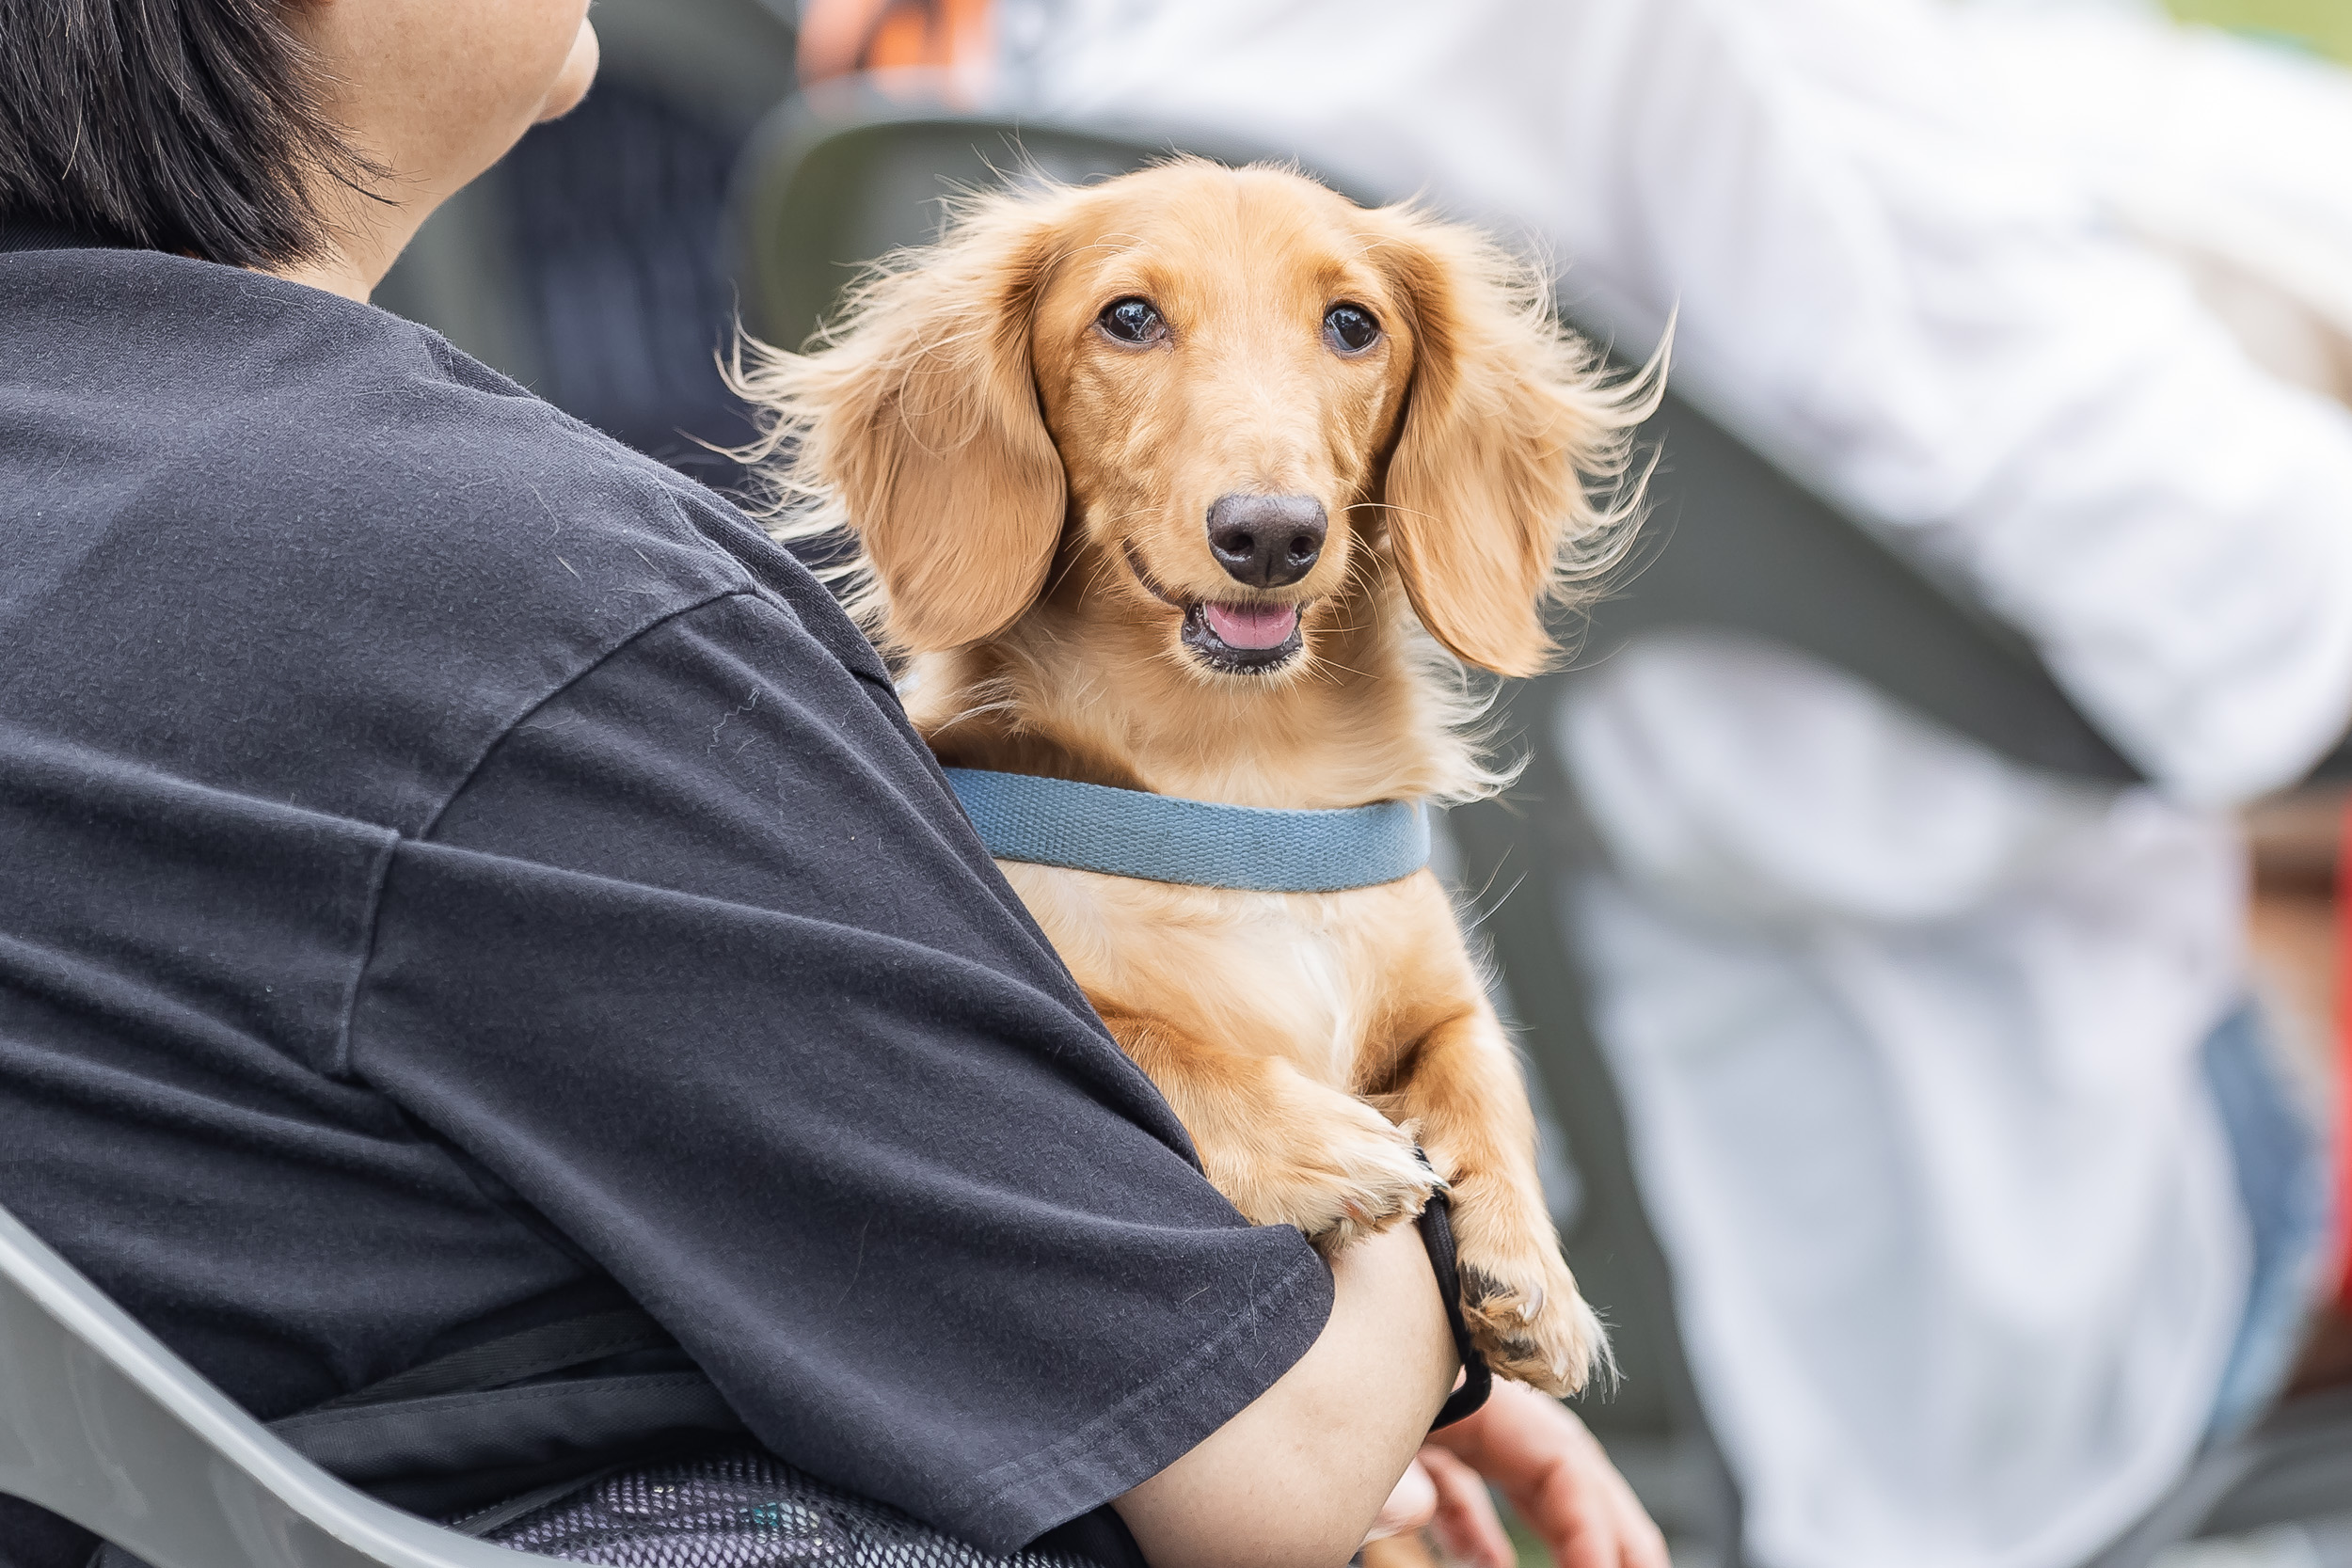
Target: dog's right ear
{"points": [[914, 423]]}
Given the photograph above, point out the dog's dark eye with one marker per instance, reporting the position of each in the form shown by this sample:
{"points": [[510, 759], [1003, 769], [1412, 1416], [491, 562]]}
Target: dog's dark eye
{"points": [[1350, 327], [1132, 321]]}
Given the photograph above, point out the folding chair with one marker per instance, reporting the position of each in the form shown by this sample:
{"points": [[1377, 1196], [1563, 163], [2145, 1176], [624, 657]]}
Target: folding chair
{"points": [[846, 174], [101, 1424]]}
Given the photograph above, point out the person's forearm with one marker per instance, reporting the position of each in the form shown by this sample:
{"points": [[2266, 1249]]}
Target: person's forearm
{"points": [[1293, 1481]]}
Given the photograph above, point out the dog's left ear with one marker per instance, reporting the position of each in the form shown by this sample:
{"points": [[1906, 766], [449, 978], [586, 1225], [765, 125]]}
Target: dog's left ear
{"points": [[1507, 421]]}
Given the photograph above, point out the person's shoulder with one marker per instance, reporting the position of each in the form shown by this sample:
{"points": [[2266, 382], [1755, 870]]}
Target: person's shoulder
{"points": [[269, 415], [304, 531], [411, 446], [299, 435]]}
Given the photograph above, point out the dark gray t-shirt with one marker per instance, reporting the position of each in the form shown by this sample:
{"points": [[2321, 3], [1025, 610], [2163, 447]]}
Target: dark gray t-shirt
{"points": [[453, 869]]}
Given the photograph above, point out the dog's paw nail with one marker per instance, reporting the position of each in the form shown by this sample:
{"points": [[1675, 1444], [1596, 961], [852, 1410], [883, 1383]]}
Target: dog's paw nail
{"points": [[1534, 1305]]}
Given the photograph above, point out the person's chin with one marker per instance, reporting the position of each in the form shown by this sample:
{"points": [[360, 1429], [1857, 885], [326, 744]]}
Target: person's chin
{"points": [[579, 73]]}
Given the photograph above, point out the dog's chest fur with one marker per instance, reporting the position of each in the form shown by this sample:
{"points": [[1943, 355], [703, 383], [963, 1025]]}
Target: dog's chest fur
{"points": [[1336, 983]]}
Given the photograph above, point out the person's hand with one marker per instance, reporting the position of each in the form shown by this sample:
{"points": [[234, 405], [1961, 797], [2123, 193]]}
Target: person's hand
{"points": [[1552, 1471]]}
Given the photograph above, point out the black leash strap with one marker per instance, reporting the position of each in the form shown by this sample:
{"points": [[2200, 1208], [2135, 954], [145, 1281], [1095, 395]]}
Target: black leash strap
{"points": [[554, 1406], [1436, 1234], [532, 1353]]}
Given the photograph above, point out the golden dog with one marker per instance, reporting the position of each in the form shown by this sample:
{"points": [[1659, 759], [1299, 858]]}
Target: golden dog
{"points": [[1159, 485]]}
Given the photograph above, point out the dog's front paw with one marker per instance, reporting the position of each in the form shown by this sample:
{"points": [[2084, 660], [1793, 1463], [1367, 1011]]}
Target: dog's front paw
{"points": [[1520, 1302], [1331, 1165]]}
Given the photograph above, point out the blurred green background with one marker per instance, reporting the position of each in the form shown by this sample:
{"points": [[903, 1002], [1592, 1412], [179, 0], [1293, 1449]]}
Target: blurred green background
{"points": [[2324, 25]]}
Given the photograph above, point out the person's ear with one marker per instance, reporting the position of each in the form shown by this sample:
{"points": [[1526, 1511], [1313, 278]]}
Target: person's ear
{"points": [[1506, 422], [918, 427]]}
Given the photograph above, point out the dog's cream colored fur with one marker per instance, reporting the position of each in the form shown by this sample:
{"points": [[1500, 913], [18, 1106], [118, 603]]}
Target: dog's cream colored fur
{"points": [[1029, 493]]}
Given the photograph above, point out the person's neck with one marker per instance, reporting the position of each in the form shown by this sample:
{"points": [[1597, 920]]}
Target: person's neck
{"points": [[337, 277], [365, 241]]}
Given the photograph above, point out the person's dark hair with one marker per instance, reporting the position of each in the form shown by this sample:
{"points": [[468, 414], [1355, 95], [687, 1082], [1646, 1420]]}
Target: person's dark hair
{"points": [[191, 126]]}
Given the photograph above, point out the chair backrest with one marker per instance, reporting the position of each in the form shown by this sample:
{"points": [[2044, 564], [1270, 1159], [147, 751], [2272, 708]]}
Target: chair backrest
{"points": [[103, 1425]]}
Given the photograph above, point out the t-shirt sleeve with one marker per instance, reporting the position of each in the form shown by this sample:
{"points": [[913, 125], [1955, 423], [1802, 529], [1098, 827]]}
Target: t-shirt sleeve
{"points": [[706, 965]]}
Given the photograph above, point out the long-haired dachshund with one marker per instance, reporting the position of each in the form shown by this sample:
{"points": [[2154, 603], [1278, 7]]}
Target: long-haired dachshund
{"points": [[1168, 483]]}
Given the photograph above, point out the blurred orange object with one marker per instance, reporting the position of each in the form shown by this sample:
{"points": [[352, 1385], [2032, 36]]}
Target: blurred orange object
{"points": [[944, 39]]}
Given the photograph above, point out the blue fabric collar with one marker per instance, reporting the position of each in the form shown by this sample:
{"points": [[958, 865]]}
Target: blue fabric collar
{"points": [[1160, 838]]}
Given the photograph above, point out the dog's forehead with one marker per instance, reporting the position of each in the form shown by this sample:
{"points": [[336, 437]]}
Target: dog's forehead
{"points": [[1255, 228]]}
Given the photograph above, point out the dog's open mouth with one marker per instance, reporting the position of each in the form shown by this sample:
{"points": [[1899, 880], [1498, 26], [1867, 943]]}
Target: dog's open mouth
{"points": [[1239, 638], [1244, 638]]}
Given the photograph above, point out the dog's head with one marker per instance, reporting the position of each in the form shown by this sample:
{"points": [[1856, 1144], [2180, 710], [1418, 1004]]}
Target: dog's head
{"points": [[1232, 395]]}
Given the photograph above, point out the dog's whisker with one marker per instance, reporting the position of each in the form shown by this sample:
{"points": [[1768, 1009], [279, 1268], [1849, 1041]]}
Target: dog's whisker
{"points": [[1054, 584], [1482, 909], [1331, 663]]}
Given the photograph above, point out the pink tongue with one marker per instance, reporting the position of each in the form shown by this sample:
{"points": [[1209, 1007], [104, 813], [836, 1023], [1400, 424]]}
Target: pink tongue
{"points": [[1252, 626]]}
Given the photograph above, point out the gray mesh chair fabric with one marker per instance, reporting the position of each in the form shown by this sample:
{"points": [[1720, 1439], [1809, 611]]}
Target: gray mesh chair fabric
{"points": [[741, 1508]]}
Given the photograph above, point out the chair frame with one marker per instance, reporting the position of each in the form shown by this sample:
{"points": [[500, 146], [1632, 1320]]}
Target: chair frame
{"points": [[101, 1424]]}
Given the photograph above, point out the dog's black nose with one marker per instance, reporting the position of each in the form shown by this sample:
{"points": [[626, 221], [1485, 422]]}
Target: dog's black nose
{"points": [[1266, 541]]}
